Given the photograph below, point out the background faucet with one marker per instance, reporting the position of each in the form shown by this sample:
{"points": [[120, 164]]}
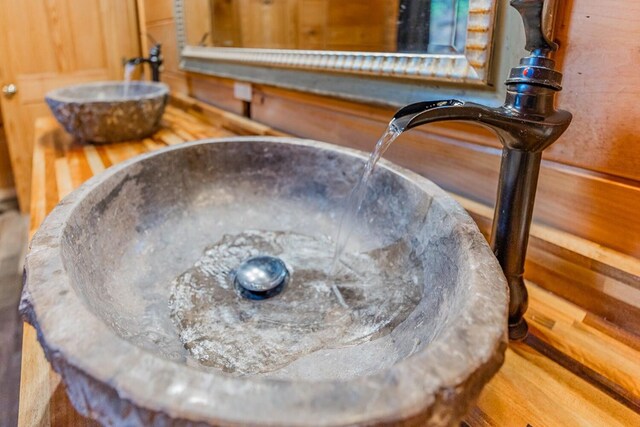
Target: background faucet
{"points": [[154, 60], [526, 124]]}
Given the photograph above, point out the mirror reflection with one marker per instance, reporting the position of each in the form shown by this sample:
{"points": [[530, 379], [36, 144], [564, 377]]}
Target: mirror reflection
{"points": [[402, 26]]}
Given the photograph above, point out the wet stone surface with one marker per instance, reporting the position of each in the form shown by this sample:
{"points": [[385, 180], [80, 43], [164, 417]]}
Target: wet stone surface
{"points": [[366, 298]]}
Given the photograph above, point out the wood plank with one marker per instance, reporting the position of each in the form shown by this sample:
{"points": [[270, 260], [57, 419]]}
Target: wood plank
{"points": [[532, 390], [157, 10], [601, 94], [216, 116], [94, 160], [177, 81], [562, 325], [215, 91], [198, 14]]}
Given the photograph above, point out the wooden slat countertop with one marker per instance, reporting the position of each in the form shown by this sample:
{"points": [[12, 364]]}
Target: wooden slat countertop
{"points": [[574, 369]]}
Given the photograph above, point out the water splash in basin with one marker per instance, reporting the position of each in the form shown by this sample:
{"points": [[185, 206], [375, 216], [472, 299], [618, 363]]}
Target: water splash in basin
{"points": [[128, 73], [222, 329], [353, 204]]}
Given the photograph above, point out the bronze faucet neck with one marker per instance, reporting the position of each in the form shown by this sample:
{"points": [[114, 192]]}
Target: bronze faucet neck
{"points": [[526, 124]]}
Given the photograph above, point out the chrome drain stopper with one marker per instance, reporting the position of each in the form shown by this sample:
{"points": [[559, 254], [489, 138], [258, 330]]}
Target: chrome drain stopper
{"points": [[261, 277]]}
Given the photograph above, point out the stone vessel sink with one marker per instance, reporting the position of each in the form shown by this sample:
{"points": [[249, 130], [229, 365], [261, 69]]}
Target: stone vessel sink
{"points": [[127, 284], [109, 111]]}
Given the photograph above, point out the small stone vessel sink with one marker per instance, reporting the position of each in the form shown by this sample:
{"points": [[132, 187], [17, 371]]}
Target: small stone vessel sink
{"points": [[129, 284], [109, 111]]}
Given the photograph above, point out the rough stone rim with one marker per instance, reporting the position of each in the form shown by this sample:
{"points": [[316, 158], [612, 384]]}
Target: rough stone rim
{"points": [[58, 95], [478, 337]]}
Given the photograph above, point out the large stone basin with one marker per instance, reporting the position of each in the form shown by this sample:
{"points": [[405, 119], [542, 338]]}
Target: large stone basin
{"points": [[126, 284], [109, 111]]}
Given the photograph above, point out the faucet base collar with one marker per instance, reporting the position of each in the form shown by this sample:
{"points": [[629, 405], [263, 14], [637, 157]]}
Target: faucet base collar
{"points": [[518, 331]]}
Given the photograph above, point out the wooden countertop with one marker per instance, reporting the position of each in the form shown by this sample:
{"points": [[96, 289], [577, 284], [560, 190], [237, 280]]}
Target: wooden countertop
{"points": [[572, 370]]}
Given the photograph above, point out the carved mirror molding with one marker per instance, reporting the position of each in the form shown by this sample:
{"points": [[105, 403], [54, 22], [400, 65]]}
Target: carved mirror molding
{"points": [[469, 67]]}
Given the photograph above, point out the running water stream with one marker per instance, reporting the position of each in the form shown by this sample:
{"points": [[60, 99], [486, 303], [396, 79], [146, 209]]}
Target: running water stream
{"points": [[128, 71], [353, 204]]}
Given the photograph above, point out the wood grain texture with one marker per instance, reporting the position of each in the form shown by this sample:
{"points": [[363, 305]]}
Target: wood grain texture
{"points": [[357, 25], [157, 10], [67, 42], [530, 389], [199, 16], [600, 58], [217, 92]]}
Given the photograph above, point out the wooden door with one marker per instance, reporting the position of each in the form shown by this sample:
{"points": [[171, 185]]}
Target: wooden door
{"points": [[47, 44]]}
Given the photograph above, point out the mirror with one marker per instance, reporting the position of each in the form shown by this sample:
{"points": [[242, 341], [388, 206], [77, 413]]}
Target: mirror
{"points": [[415, 26], [415, 39]]}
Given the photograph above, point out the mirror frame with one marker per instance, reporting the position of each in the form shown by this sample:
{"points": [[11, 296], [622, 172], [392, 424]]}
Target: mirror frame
{"points": [[470, 67]]}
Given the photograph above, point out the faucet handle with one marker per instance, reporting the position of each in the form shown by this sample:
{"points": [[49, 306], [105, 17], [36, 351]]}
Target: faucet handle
{"points": [[538, 17]]}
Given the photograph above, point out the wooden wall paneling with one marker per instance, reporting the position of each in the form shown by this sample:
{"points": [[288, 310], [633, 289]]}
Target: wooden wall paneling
{"points": [[391, 25], [177, 82], [214, 116], [599, 208], [198, 14], [141, 9], [157, 10], [269, 25], [215, 91], [361, 25], [600, 58], [312, 24], [225, 22]]}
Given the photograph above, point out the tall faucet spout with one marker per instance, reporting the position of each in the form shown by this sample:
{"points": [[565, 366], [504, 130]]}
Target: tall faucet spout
{"points": [[526, 124], [420, 113], [524, 132]]}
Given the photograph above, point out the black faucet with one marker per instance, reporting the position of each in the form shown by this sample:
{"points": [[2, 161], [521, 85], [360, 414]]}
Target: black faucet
{"points": [[526, 124], [154, 60]]}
